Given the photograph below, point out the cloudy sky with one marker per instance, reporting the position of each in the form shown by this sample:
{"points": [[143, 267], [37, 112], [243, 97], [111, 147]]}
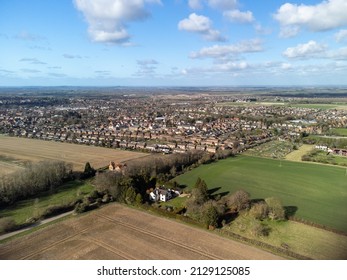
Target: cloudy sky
{"points": [[173, 42]]}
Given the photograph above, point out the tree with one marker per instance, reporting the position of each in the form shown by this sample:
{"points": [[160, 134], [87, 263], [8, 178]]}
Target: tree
{"points": [[89, 171], [197, 199], [238, 201], [259, 210], [130, 195], [276, 210], [200, 191], [138, 199], [209, 214]]}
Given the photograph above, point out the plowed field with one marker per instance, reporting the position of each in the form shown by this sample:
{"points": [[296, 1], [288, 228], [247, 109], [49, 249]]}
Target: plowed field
{"points": [[22, 150], [117, 232]]}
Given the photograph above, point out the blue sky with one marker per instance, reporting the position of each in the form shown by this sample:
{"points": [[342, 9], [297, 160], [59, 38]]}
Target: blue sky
{"points": [[173, 43]]}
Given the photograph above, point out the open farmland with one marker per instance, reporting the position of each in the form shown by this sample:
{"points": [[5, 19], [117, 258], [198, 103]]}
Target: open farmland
{"points": [[318, 192], [117, 232], [30, 150]]}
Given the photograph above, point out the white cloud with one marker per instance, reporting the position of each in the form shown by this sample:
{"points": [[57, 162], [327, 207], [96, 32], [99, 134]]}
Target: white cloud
{"points": [[238, 16], [71, 56], [223, 4], [228, 67], [262, 30], [32, 61], [340, 54], [321, 17], [308, 50], [147, 67], [341, 36], [286, 66], [26, 36], [32, 71], [220, 51], [202, 25], [216, 4], [289, 31], [108, 19], [195, 4]]}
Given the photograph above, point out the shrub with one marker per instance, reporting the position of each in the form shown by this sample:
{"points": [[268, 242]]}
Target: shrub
{"points": [[56, 210], [81, 207], [258, 229], [259, 210], [276, 210], [7, 224]]}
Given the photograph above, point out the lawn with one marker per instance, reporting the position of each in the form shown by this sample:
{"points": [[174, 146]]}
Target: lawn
{"points": [[28, 208], [318, 192]]}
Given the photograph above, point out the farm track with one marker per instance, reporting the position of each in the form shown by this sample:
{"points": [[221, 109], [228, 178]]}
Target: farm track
{"points": [[185, 247], [104, 245]]}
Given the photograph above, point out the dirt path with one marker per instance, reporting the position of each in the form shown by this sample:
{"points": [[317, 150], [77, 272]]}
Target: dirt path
{"points": [[46, 221], [117, 232]]}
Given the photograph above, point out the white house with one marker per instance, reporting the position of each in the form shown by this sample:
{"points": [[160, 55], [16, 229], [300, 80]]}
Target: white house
{"points": [[160, 195]]}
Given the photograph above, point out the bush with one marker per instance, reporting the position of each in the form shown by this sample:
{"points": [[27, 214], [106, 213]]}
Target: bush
{"points": [[7, 225], [276, 210], [81, 207], [258, 229], [238, 200], [259, 211], [56, 210]]}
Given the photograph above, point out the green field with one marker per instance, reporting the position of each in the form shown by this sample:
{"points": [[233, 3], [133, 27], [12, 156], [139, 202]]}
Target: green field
{"points": [[29, 208], [338, 131], [302, 239], [319, 192], [338, 106]]}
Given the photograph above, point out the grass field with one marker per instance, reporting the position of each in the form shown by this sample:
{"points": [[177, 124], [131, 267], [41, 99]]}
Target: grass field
{"points": [[302, 239], [319, 192], [250, 104], [338, 131], [29, 208], [297, 154], [24, 150], [322, 106]]}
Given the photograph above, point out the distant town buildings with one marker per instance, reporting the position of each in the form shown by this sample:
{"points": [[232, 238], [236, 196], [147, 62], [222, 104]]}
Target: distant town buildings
{"points": [[160, 123]]}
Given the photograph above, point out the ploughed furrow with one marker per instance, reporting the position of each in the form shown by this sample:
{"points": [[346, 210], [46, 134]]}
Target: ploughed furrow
{"points": [[176, 244], [104, 245], [42, 250]]}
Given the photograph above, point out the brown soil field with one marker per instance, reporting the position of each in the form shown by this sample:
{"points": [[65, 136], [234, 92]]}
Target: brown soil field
{"points": [[24, 150], [118, 232]]}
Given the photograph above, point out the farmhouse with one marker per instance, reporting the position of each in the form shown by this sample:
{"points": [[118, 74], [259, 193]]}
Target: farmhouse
{"points": [[160, 194], [341, 152], [119, 167]]}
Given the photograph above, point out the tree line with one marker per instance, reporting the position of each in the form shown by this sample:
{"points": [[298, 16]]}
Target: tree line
{"points": [[212, 211], [142, 174], [35, 178]]}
